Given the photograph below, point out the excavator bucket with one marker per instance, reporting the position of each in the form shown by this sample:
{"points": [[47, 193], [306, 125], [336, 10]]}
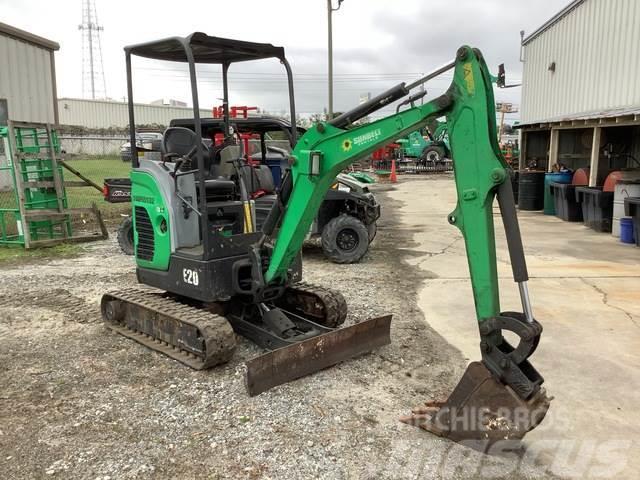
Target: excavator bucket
{"points": [[303, 358], [481, 411]]}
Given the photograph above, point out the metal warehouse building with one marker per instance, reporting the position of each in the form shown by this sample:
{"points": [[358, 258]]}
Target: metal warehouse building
{"points": [[580, 94], [106, 114], [27, 76], [27, 83]]}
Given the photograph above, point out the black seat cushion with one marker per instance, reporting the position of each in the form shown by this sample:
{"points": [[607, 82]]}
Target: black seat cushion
{"points": [[259, 179], [265, 179]]}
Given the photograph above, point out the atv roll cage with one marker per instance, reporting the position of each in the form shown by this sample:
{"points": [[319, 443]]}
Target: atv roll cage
{"points": [[199, 48]]}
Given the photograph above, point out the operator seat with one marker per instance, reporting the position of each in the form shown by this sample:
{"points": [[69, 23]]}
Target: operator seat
{"points": [[260, 180], [181, 141]]}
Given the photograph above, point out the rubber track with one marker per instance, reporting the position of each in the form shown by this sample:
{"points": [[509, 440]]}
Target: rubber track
{"points": [[219, 339], [334, 304]]}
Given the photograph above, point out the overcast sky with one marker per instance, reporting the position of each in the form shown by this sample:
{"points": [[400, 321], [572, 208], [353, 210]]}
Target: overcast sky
{"points": [[377, 44]]}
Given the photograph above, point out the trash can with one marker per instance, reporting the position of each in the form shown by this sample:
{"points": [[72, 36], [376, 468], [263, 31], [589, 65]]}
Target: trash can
{"points": [[623, 189], [597, 207], [531, 190], [632, 209], [626, 230], [566, 205], [549, 178], [277, 164]]}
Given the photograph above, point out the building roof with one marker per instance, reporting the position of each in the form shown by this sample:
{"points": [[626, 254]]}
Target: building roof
{"points": [[588, 118], [553, 20], [18, 34]]}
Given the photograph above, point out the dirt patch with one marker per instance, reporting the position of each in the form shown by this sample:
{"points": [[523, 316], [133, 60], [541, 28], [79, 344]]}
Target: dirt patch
{"points": [[81, 402]]}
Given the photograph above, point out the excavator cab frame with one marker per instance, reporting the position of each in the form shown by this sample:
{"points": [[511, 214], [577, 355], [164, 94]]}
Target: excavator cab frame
{"points": [[199, 48]]}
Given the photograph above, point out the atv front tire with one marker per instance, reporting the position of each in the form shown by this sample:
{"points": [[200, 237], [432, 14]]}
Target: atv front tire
{"points": [[125, 236], [345, 239]]}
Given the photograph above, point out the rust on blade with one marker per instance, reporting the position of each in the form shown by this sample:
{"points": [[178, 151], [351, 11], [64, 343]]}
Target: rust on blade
{"points": [[309, 356]]}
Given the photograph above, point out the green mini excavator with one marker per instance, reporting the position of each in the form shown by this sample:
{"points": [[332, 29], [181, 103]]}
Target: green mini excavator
{"points": [[214, 273]]}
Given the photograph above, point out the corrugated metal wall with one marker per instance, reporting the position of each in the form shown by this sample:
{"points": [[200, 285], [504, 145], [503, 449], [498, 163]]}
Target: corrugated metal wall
{"points": [[25, 81], [595, 49], [105, 114]]}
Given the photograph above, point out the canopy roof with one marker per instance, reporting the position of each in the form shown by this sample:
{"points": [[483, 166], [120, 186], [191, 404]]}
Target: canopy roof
{"points": [[242, 125], [205, 49]]}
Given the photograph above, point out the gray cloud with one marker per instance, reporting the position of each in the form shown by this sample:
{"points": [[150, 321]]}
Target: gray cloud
{"points": [[371, 37]]}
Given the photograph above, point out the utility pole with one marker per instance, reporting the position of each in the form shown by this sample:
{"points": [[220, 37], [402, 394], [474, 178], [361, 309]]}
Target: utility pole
{"points": [[330, 11], [92, 67]]}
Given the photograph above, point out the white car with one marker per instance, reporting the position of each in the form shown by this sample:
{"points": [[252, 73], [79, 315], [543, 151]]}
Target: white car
{"points": [[141, 138]]}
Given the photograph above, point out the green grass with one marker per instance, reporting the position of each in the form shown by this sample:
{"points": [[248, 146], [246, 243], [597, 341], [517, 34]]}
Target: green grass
{"points": [[97, 170], [17, 254]]}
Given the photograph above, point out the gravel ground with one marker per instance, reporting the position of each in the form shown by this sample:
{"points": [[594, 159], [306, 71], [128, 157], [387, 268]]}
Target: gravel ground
{"points": [[78, 401]]}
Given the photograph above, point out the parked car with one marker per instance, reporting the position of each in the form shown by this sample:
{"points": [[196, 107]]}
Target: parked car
{"points": [[141, 139]]}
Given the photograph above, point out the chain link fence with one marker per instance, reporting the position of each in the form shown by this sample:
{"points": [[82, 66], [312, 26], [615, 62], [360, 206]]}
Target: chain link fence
{"points": [[8, 200], [93, 146], [100, 157], [415, 166]]}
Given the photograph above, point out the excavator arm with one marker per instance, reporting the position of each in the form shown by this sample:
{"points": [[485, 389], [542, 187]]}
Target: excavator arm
{"points": [[504, 389]]}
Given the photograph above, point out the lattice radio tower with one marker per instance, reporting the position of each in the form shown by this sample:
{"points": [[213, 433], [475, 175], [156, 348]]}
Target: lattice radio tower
{"points": [[93, 82]]}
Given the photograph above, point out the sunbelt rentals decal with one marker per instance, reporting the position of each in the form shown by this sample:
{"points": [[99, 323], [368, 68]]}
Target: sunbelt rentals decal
{"points": [[361, 140]]}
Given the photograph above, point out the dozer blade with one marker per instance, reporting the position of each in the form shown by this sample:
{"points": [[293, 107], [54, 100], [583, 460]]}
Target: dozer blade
{"points": [[481, 411], [299, 359]]}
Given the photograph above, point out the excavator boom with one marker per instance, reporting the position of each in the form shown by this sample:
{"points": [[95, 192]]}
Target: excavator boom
{"points": [[504, 381]]}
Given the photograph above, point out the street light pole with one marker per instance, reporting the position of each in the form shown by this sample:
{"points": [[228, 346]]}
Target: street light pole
{"points": [[330, 11]]}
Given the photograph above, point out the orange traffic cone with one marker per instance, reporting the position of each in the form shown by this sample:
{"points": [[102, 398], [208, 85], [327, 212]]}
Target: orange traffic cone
{"points": [[393, 177]]}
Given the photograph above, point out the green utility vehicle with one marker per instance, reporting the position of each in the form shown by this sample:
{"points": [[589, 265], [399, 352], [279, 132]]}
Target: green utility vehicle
{"points": [[215, 273], [432, 151]]}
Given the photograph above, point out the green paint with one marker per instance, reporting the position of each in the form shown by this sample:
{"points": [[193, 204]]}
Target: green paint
{"points": [[145, 193], [479, 169]]}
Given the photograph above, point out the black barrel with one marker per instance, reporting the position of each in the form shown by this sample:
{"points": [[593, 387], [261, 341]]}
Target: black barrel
{"points": [[531, 190]]}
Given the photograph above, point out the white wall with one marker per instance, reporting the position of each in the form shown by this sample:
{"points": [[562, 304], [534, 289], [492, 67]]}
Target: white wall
{"points": [[596, 51], [105, 114], [26, 81]]}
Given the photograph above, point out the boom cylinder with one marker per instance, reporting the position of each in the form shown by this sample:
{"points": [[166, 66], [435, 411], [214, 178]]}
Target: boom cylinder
{"points": [[376, 103]]}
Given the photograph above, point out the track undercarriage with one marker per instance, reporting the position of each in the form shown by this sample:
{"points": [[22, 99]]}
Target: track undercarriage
{"points": [[302, 325]]}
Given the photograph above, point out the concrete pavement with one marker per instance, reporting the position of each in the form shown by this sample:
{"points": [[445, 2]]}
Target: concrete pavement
{"points": [[585, 289]]}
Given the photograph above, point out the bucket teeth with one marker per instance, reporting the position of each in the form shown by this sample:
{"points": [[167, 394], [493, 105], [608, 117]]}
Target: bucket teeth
{"points": [[481, 411]]}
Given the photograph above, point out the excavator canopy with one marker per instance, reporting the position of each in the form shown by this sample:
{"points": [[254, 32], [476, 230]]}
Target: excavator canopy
{"points": [[206, 49]]}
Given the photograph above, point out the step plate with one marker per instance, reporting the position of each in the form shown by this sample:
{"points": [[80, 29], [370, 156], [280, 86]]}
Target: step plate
{"points": [[289, 363]]}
